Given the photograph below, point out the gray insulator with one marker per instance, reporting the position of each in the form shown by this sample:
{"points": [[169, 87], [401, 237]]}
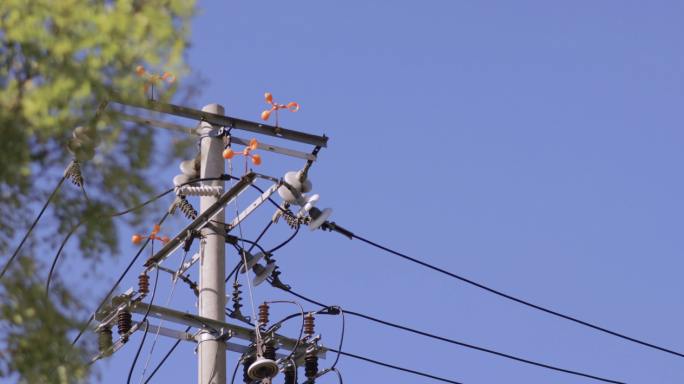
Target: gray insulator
{"points": [[187, 209], [74, 171]]}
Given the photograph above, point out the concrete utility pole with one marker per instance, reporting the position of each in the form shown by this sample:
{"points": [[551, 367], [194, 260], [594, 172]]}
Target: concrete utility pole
{"points": [[212, 286]]}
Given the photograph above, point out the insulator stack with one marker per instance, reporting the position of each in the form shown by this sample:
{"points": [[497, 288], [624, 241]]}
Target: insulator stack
{"points": [[311, 366], [245, 375], [309, 325], [187, 208], [290, 375], [269, 352], [263, 315], [291, 220], [203, 190], [124, 322], [105, 341], [144, 284], [236, 296], [75, 172]]}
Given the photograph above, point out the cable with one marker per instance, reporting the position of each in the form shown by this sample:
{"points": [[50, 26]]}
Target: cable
{"points": [[461, 344], [301, 330], [234, 270], [86, 196], [338, 374], [92, 317], [244, 260], [259, 238], [173, 288], [165, 357], [286, 241], [54, 262], [32, 226], [518, 300], [395, 367], [232, 380], [341, 340], [144, 320], [147, 323]]}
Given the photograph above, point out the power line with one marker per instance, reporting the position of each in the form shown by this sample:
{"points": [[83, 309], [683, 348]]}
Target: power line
{"points": [[462, 344], [519, 300], [395, 367], [147, 322], [125, 272], [165, 357], [59, 252], [32, 226]]}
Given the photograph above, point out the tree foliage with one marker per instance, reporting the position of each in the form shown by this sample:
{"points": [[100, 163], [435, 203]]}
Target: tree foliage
{"points": [[58, 61]]}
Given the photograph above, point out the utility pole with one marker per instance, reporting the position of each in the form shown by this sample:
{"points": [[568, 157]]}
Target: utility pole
{"points": [[266, 352], [212, 287]]}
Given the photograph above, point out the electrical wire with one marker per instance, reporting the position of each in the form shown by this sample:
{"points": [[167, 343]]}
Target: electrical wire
{"points": [[270, 222], [244, 260], [144, 320], [286, 241], [461, 344], [173, 288], [31, 228], [54, 262], [519, 300], [165, 357], [234, 270], [301, 330], [338, 374], [125, 272], [395, 367], [232, 380]]}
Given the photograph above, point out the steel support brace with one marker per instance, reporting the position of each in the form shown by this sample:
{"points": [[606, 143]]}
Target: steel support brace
{"points": [[269, 192], [202, 220]]}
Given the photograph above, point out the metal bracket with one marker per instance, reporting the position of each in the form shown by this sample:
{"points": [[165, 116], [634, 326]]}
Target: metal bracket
{"points": [[202, 220], [269, 192]]}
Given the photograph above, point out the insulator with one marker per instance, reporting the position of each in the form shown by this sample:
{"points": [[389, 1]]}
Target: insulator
{"points": [[105, 341], [236, 296], [291, 220], [309, 325], [269, 352], [263, 315], [187, 208], [290, 375], [144, 283], [202, 190], [74, 171], [245, 375], [311, 366], [124, 322]]}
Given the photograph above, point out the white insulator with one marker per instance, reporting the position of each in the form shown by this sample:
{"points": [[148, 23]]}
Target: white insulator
{"points": [[203, 190]]}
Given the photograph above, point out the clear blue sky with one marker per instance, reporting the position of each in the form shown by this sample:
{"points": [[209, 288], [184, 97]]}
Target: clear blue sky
{"points": [[533, 147]]}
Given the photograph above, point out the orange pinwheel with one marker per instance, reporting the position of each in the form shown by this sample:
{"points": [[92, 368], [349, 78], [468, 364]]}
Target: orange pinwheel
{"points": [[292, 107], [228, 153], [165, 240], [169, 78]]}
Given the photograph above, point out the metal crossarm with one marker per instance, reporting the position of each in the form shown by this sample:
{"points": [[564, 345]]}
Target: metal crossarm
{"points": [[220, 120]]}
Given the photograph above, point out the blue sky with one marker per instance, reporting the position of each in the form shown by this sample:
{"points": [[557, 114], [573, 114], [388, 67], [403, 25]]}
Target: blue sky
{"points": [[533, 147]]}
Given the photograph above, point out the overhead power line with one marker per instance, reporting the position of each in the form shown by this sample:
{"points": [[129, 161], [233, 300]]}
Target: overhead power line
{"points": [[395, 367], [519, 300], [59, 252], [460, 343], [32, 226]]}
